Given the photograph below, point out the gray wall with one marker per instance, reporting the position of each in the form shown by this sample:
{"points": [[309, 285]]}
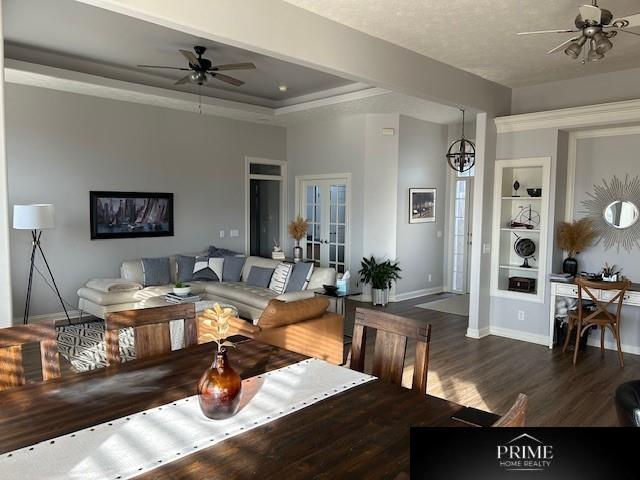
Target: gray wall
{"points": [[590, 90], [420, 251], [62, 145], [598, 159], [328, 147]]}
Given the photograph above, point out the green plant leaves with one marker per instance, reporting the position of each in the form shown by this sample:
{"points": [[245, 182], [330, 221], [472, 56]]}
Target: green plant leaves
{"points": [[379, 275]]}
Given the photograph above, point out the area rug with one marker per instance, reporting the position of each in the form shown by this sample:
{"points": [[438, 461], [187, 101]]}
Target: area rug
{"points": [[83, 345], [455, 304]]}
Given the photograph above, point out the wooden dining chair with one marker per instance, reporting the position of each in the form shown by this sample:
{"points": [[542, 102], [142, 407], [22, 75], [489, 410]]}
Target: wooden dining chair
{"points": [[11, 356], [516, 415], [582, 320], [150, 330], [392, 333]]}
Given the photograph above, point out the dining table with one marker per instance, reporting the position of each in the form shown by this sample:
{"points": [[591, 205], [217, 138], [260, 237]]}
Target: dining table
{"points": [[362, 432]]}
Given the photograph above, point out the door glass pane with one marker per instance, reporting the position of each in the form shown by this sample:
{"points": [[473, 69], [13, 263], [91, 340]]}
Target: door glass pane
{"points": [[341, 253], [332, 253], [460, 208], [458, 228], [341, 213], [310, 194], [333, 210], [461, 188], [340, 233], [309, 216], [334, 193], [342, 194]]}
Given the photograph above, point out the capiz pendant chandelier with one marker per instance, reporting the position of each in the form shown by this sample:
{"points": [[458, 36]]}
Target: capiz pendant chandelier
{"points": [[462, 153]]}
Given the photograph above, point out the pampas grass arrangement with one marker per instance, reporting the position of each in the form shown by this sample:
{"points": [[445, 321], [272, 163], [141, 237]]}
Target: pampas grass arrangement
{"points": [[576, 236], [298, 228]]}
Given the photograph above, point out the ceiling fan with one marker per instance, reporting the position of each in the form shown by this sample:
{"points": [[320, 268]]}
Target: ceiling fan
{"points": [[595, 27], [200, 67]]}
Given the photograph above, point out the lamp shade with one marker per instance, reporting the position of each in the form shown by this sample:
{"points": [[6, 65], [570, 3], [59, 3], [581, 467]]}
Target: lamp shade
{"points": [[33, 217]]}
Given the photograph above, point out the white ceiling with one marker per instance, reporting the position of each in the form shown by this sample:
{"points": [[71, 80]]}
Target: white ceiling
{"points": [[480, 35], [75, 36]]}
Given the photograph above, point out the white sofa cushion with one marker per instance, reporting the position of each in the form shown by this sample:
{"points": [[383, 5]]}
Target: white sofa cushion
{"points": [[241, 292]]}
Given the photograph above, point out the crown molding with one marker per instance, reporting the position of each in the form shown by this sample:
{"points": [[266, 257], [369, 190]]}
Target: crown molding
{"points": [[569, 118], [36, 75]]}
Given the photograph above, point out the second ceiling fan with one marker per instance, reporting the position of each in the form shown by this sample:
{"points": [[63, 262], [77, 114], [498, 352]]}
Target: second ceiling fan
{"points": [[595, 27], [201, 69]]}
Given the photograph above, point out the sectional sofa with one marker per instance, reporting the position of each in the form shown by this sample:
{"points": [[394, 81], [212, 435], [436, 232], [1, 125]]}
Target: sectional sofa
{"points": [[249, 300]]}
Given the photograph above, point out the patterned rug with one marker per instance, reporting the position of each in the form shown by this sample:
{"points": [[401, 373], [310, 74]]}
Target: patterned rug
{"points": [[83, 345]]}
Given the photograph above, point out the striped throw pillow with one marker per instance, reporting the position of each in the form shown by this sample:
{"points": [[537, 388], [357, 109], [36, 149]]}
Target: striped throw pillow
{"points": [[280, 277]]}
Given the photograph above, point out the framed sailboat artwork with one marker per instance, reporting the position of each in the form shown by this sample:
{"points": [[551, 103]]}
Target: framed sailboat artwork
{"points": [[130, 214]]}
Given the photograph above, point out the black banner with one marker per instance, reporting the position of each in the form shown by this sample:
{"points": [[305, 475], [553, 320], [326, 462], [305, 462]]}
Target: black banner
{"points": [[524, 453]]}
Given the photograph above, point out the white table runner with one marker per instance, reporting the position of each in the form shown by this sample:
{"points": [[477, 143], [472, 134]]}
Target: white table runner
{"points": [[140, 442]]}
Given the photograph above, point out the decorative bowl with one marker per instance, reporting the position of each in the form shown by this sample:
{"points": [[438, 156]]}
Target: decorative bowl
{"points": [[534, 192], [330, 288], [182, 291]]}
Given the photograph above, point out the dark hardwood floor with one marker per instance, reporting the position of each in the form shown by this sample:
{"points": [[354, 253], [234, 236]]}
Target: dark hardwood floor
{"points": [[489, 373]]}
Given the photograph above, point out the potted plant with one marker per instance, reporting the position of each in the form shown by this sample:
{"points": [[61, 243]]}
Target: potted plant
{"points": [[181, 288], [297, 231], [574, 237], [380, 276]]}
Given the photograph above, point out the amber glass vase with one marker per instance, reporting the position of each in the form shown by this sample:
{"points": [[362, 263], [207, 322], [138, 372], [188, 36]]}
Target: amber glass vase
{"points": [[219, 389]]}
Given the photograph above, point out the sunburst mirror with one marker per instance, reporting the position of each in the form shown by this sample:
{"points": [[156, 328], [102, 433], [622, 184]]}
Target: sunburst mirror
{"points": [[614, 208]]}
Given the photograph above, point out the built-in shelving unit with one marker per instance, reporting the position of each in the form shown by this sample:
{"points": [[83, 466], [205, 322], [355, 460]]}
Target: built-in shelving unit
{"points": [[506, 263]]}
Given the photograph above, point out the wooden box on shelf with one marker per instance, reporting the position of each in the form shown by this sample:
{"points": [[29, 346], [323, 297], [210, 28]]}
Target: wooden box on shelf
{"points": [[522, 284]]}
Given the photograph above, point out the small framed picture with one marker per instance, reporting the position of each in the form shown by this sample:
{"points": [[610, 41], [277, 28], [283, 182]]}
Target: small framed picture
{"points": [[422, 205]]}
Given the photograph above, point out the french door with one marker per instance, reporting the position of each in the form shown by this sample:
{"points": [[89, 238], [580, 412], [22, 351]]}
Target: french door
{"points": [[324, 202], [461, 234]]}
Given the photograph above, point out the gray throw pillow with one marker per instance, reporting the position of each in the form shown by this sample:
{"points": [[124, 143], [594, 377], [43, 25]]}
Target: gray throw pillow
{"points": [[216, 252], [299, 278], [260, 276], [184, 269], [156, 271], [232, 269]]}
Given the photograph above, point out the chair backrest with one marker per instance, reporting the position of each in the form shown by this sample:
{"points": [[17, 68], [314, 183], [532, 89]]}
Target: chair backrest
{"points": [[586, 286], [152, 335], [516, 415], [392, 332], [11, 341]]}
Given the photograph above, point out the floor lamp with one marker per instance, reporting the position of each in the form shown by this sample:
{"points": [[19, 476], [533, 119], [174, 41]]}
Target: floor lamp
{"points": [[36, 218]]}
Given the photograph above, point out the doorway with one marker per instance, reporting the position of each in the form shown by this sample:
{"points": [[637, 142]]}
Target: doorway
{"points": [[324, 202], [265, 205]]}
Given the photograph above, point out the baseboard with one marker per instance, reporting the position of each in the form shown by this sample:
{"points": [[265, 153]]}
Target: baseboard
{"points": [[519, 335], [594, 341], [477, 333], [416, 294], [401, 296], [57, 317]]}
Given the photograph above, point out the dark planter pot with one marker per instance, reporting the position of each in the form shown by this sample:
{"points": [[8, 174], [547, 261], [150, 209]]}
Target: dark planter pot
{"points": [[219, 389], [570, 265]]}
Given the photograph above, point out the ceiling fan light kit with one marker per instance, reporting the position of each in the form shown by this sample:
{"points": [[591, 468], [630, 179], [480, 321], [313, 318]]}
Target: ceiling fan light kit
{"points": [[201, 69], [596, 27]]}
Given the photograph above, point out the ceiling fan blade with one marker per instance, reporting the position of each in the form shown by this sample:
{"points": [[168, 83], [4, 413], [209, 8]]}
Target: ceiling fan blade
{"points": [[547, 31], [191, 58], [233, 66], [627, 22], [159, 66], [183, 80], [559, 47], [227, 79], [589, 12]]}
